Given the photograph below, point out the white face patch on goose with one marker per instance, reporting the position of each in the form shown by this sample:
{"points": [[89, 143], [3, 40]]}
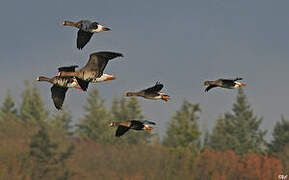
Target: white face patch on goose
{"points": [[99, 29], [72, 84], [146, 127], [237, 84], [159, 96], [102, 78]]}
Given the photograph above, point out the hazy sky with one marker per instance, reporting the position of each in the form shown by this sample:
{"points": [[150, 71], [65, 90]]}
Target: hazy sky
{"points": [[180, 43]]}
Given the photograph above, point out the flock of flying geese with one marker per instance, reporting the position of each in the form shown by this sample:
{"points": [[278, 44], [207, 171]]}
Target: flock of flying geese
{"points": [[92, 72]]}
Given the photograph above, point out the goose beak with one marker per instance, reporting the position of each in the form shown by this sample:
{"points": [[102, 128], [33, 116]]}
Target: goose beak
{"points": [[110, 78], [165, 97], [242, 85], [125, 94], [105, 29], [37, 79], [148, 128]]}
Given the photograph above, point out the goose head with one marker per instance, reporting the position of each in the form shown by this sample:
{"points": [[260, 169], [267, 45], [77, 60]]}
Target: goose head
{"points": [[146, 127], [238, 84], [100, 28], [104, 77], [64, 23], [206, 83], [112, 124]]}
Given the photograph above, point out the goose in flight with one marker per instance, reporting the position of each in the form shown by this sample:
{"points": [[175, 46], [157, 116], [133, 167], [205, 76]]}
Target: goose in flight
{"points": [[123, 127], [93, 69], [60, 85], [151, 93], [223, 83], [86, 30]]}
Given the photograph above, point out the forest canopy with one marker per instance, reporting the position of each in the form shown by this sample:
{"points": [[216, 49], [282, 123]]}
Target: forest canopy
{"points": [[36, 144]]}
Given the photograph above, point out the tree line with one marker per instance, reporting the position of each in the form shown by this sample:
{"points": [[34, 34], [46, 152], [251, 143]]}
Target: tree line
{"points": [[36, 144]]}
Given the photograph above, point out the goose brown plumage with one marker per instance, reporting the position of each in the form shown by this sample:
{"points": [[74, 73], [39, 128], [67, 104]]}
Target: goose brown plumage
{"points": [[93, 69], [151, 93], [124, 126], [86, 30], [224, 83], [60, 85]]}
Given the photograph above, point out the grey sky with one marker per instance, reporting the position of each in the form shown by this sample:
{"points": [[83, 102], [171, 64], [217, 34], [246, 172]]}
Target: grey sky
{"points": [[180, 43]]}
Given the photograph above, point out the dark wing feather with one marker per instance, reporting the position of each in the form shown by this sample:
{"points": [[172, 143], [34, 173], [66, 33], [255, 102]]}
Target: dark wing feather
{"points": [[147, 122], [83, 84], [58, 95], [121, 130], [228, 82], [67, 68], [82, 38], [98, 61], [156, 88], [107, 54], [210, 87]]}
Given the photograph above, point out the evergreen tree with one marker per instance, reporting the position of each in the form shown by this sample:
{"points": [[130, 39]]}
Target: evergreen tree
{"points": [[240, 130], [62, 120], [46, 162], [206, 139], [183, 129], [32, 107], [94, 125], [124, 110], [280, 136], [8, 109], [220, 139], [183, 138]]}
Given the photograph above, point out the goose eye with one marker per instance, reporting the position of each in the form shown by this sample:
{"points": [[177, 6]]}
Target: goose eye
{"points": [[94, 25]]}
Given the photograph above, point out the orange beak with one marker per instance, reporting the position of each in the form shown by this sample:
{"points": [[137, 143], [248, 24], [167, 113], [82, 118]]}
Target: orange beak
{"points": [[165, 97], [110, 78], [242, 85], [105, 29], [148, 128]]}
